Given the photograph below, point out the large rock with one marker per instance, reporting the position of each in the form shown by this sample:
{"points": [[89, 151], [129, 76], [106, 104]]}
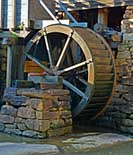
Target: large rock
{"points": [[10, 91], [29, 133], [43, 94], [57, 124], [32, 124], [123, 129], [36, 104], [64, 98], [22, 91], [13, 131], [19, 120], [11, 126], [128, 36], [58, 92], [131, 116], [19, 101], [2, 126], [47, 115], [125, 110], [130, 130], [127, 122], [38, 125], [40, 104], [65, 114], [68, 122], [15, 100], [21, 126], [59, 131], [93, 141], [34, 134], [26, 112], [8, 110], [33, 93], [126, 129], [6, 119], [44, 125]]}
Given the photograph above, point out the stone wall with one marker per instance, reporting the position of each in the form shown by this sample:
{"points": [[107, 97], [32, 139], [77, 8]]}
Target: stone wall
{"points": [[3, 58], [119, 115], [35, 112]]}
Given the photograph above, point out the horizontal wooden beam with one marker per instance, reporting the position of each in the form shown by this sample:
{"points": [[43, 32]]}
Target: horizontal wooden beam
{"points": [[12, 34]]}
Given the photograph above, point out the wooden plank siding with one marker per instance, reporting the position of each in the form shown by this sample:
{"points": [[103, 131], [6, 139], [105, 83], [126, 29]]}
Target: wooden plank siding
{"points": [[13, 13], [8, 14]]}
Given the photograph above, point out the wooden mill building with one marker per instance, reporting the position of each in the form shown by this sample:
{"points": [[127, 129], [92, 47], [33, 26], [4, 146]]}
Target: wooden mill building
{"points": [[21, 19], [24, 39]]}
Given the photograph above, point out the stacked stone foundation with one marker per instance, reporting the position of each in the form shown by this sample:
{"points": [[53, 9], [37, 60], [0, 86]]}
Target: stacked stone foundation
{"points": [[36, 113], [119, 115]]}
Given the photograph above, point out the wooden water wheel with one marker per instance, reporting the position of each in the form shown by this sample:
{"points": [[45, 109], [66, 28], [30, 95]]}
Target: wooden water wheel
{"points": [[83, 59]]}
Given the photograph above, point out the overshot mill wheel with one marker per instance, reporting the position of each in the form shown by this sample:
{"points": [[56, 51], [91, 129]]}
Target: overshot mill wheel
{"points": [[83, 59]]}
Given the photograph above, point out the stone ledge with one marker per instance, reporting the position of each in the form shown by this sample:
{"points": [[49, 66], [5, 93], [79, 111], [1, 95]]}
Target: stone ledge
{"points": [[128, 36]]}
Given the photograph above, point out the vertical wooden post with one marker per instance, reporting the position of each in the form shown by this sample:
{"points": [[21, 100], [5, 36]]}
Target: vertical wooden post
{"points": [[1, 13], [9, 66], [103, 16]]}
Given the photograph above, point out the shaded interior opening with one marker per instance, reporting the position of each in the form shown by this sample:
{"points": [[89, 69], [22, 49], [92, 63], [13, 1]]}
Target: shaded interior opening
{"points": [[116, 12]]}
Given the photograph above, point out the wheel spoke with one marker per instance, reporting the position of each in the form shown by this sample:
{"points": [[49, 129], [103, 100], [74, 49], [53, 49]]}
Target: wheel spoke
{"points": [[75, 66], [61, 57], [48, 49], [35, 48], [39, 63], [81, 72], [74, 89], [36, 38], [82, 81]]}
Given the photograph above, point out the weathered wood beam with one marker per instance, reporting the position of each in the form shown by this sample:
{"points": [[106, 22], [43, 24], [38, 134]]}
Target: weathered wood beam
{"points": [[9, 67], [103, 16], [12, 34]]}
